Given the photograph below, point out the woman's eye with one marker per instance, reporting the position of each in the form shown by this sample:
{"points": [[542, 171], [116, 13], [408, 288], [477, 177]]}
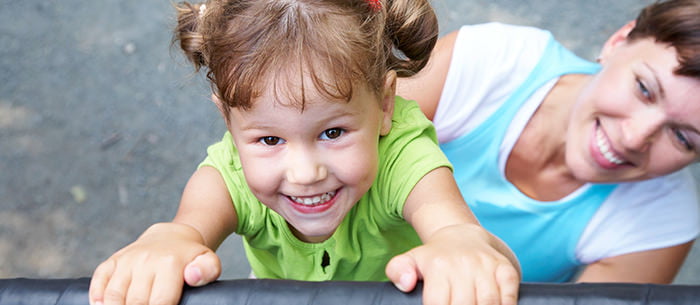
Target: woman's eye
{"points": [[682, 139], [643, 90], [271, 141], [332, 133]]}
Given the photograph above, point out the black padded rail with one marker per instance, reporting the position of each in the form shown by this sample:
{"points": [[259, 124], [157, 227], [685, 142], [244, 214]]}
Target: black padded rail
{"points": [[284, 292]]}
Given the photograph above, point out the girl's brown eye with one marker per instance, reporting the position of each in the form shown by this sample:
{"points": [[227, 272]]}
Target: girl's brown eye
{"points": [[332, 133], [270, 140]]}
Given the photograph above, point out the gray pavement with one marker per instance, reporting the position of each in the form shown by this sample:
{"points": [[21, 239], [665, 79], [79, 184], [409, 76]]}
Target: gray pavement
{"points": [[101, 123]]}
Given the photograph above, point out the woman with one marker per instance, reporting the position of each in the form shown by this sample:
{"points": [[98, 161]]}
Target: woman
{"points": [[577, 166]]}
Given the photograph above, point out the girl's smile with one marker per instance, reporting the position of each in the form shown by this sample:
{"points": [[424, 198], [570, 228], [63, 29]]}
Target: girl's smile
{"points": [[313, 204]]}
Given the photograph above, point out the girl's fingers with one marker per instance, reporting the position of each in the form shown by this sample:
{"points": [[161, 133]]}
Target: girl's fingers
{"points": [[167, 288], [487, 291], [508, 281], [139, 291], [437, 290], [117, 288], [99, 281], [203, 270], [403, 272]]}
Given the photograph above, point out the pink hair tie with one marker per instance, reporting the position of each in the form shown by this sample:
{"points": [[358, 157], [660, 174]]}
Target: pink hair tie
{"points": [[376, 5]]}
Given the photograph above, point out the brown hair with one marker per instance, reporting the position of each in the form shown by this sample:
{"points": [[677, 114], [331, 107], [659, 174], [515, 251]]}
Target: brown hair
{"points": [[677, 23], [246, 45]]}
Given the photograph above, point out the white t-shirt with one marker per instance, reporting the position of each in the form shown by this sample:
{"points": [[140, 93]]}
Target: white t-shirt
{"points": [[492, 60]]}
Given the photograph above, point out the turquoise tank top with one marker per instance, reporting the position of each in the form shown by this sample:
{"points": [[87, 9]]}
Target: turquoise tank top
{"points": [[543, 235]]}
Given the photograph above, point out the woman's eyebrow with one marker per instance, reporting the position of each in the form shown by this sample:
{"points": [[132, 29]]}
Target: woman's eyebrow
{"points": [[655, 75]]}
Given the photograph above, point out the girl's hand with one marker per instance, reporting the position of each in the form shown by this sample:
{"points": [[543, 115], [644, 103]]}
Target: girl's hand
{"points": [[460, 264], [152, 269]]}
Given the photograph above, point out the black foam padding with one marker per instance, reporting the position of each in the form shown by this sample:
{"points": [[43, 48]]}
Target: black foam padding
{"points": [[22, 291]]}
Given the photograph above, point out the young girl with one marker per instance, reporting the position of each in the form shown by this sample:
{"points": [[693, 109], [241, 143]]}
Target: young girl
{"points": [[325, 173], [575, 165]]}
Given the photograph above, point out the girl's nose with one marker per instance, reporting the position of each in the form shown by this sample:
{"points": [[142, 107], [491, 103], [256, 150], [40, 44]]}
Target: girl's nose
{"points": [[642, 128], [304, 168]]}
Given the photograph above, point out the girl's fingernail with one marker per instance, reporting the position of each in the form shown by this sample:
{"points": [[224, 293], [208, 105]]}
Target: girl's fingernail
{"points": [[194, 276], [403, 282]]}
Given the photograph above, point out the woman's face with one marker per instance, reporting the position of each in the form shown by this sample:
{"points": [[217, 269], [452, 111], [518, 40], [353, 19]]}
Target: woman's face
{"points": [[636, 119]]}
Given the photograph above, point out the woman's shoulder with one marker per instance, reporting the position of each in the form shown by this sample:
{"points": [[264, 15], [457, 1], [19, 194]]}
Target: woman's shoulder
{"points": [[504, 30], [500, 48], [489, 62], [495, 34]]}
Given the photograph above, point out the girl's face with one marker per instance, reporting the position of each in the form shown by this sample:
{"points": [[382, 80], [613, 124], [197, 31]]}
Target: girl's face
{"points": [[312, 166], [635, 119]]}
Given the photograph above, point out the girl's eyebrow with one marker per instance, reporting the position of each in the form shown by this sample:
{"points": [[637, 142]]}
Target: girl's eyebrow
{"points": [[255, 125], [260, 125]]}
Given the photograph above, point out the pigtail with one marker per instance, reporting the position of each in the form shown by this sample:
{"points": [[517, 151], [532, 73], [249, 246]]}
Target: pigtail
{"points": [[189, 19], [412, 31]]}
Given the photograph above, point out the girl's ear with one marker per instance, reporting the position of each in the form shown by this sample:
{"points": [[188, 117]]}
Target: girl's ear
{"points": [[615, 40], [387, 102], [220, 106]]}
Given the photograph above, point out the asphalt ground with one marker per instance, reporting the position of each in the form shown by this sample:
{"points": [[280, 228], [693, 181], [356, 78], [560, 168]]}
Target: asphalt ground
{"points": [[101, 122]]}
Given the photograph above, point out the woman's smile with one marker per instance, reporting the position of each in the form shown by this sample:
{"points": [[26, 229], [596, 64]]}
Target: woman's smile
{"points": [[603, 152]]}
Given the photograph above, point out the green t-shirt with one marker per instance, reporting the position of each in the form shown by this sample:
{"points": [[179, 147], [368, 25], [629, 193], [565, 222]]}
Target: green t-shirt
{"points": [[371, 233]]}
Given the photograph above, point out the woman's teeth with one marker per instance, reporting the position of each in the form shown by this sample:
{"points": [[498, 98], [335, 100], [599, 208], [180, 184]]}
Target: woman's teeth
{"points": [[314, 200], [604, 148]]}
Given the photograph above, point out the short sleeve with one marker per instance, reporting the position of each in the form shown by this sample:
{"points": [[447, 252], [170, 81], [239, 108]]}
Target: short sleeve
{"points": [[407, 154], [641, 216], [223, 156], [489, 61]]}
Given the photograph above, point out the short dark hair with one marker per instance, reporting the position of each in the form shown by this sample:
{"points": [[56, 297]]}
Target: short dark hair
{"points": [[677, 23]]}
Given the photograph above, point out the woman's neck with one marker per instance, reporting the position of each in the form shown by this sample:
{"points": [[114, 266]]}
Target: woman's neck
{"points": [[537, 163]]}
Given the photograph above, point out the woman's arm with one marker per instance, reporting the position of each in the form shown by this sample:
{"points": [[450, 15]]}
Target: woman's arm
{"points": [[426, 86], [459, 262], [658, 266]]}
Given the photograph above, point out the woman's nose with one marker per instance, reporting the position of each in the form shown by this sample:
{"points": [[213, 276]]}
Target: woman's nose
{"points": [[642, 128]]}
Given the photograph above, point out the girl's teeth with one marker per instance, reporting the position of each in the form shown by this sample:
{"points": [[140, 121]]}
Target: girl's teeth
{"points": [[315, 200], [605, 149]]}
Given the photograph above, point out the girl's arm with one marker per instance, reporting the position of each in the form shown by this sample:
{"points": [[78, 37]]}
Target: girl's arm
{"points": [[153, 269], [206, 206], [658, 266], [459, 262], [426, 86]]}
